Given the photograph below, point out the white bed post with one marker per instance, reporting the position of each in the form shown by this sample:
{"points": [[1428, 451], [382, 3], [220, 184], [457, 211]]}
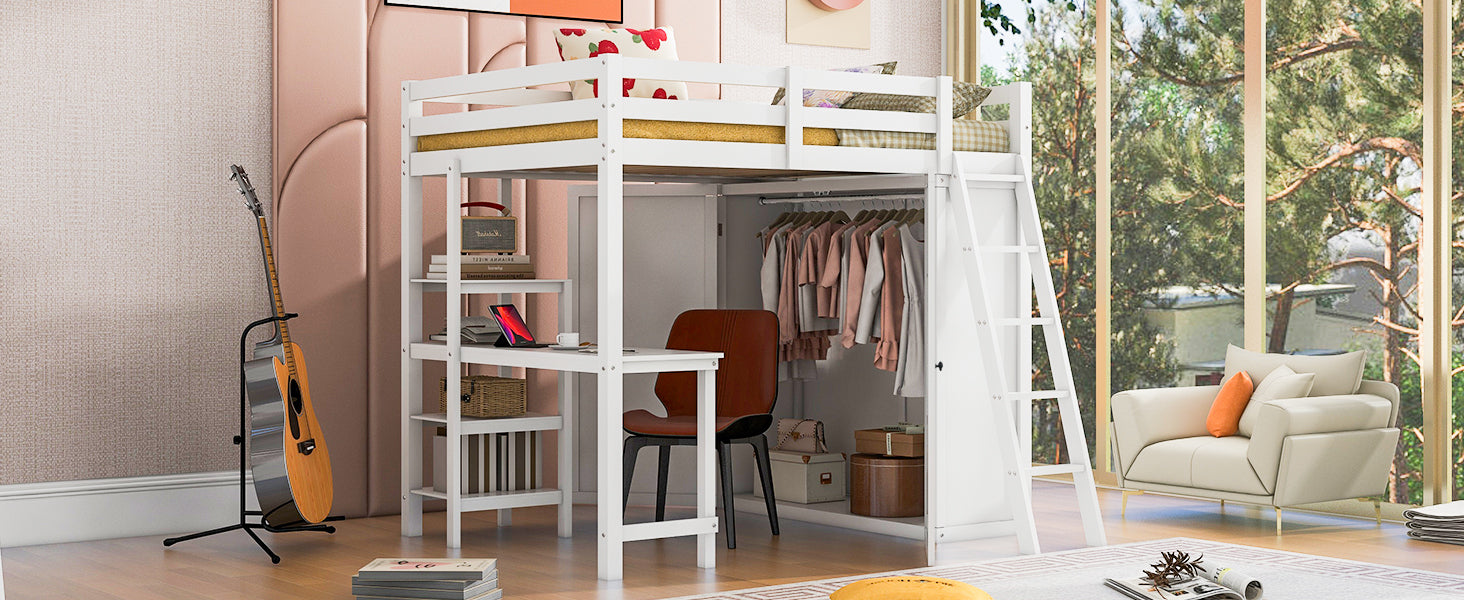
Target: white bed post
{"points": [[610, 211], [793, 101], [411, 259], [566, 433], [454, 484]]}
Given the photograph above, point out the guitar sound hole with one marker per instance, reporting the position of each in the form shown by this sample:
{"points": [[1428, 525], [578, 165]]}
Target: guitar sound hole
{"points": [[296, 404]]}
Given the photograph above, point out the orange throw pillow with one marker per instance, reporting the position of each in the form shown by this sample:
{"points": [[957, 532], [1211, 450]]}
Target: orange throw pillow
{"points": [[1224, 419]]}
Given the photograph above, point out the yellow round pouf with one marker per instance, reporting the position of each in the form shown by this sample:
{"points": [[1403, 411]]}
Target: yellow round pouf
{"points": [[909, 587]]}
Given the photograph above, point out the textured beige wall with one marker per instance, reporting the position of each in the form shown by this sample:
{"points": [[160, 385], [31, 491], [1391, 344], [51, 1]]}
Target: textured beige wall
{"points": [[127, 262]]}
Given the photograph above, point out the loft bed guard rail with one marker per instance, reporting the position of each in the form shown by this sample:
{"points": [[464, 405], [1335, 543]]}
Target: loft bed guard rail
{"points": [[516, 105]]}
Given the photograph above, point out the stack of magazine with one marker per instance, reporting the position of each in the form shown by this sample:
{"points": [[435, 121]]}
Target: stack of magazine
{"points": [[428, 579], [1441, 523], [1213, 582]]}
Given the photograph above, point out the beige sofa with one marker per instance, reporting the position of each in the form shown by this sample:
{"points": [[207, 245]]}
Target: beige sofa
{"points": [[1298, 451]]}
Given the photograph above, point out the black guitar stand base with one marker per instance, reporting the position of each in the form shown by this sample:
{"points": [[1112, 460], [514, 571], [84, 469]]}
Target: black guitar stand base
{"points": [[244, 523]]}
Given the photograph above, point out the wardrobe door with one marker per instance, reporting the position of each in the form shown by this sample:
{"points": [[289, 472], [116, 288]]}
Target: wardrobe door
{"points": [[670, 267]]}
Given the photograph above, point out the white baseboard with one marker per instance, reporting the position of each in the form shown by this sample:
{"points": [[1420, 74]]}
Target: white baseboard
{"points": [[99, 509]]}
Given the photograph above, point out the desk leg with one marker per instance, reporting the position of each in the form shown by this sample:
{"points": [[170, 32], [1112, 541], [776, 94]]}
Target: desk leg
{"points": [[611, 519], [566, 454], [706, 466]]}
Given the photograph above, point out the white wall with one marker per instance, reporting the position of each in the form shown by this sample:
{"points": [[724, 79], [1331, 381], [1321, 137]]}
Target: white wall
{"points": [[129, 262], [753, 33]]}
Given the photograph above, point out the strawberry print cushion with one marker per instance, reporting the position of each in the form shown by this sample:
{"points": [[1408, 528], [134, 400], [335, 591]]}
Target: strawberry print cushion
{"points": [[658, 42]]}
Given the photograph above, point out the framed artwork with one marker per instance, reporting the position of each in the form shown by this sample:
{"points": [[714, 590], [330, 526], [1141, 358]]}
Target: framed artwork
{"points": [[609, 11]]}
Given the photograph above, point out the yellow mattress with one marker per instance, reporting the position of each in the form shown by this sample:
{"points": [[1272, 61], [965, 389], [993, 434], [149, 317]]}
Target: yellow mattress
{"points": [[634, 128], [970, 136]]}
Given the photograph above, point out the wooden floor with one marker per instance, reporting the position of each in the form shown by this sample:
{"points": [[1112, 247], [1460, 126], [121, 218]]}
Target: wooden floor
{"points": [[534, 564]]}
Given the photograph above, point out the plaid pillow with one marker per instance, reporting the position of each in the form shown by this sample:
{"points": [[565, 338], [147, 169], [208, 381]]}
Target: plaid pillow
{"points": [[967, 97], [835, 99]]}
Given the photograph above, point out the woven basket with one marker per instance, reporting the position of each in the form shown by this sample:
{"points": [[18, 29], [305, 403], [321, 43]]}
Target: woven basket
{"points": [[486, 396]]}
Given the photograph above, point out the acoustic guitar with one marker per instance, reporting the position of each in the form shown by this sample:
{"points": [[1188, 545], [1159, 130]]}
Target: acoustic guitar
{"points": [[287, 451]]}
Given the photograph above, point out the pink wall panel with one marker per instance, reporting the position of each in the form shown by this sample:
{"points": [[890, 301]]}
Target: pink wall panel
{"points": [[320, 48], [397, 52], [321, 227]]}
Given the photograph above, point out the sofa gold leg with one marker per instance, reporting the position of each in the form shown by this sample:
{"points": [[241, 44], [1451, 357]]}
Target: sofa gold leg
{"points": [[1123, 512], [1222, 504], [1278, 520], [1378, 511]]}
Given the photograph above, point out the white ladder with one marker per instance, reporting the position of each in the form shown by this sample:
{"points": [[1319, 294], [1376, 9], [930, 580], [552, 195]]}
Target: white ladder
{"points": [[1029, 245]]}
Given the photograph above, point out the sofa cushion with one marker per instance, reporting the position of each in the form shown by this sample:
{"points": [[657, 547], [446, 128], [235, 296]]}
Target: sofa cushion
{"points": [[1199, 462], [1280, 384], [1337, 374], [1224, 418]]}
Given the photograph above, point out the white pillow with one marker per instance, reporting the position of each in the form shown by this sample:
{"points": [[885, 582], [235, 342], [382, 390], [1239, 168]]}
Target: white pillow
{"points": [[657, 42], [1282, 383], [1337, 374]]}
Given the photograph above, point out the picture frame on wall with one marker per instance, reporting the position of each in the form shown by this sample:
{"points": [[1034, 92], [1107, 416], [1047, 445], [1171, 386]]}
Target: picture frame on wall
{"points": [[608, 11]]}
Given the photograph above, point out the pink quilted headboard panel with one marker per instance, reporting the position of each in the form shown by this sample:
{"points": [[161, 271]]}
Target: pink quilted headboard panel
{"points": [[338, 67]]}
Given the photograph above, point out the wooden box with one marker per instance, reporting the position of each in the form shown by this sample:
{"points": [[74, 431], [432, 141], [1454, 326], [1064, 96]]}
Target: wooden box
{"points": [[490, 234], [889, 443], [805, 478], [486, 396], [886, 486]]}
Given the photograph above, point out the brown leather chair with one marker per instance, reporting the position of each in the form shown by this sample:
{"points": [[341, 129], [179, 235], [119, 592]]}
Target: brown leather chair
{"points": [[747, 388]]}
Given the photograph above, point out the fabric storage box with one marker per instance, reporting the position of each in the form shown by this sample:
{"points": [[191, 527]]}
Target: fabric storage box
{"points": [[805, 478], [491, 462], [487, 396], [887, 486], [889, 443]]}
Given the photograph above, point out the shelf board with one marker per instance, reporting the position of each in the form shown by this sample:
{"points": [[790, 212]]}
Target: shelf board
{"points": [[836, 514], [499, 500], [498, 286], [477, 426], [642, 360]]}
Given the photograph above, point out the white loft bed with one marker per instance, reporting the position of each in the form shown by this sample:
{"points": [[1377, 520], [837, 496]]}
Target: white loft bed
{"points": [[959, 503]]}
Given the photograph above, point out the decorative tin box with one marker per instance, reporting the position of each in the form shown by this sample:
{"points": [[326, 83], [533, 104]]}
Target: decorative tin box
{"points": [[806, 478]]}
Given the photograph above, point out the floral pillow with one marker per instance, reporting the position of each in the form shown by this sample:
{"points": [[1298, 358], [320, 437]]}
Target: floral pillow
{"points": [[832, 98], [575, 44]]}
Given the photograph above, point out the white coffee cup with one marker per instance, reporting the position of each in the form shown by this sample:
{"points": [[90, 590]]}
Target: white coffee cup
{"points": [[567, 339]]}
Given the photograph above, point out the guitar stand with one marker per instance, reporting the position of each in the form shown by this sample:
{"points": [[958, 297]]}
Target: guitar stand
{"points": [[243, 523]]}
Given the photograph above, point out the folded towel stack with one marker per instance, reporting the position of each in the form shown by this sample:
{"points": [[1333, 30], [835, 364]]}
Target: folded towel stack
{"points": [[1441, 523]]}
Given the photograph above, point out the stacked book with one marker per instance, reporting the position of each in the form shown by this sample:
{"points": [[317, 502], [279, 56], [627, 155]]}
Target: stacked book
{"points": [[428, 578], [484, 266], [1440, 523]]}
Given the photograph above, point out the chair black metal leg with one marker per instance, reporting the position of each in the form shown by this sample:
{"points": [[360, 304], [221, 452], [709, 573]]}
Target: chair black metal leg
{"points": [[765, 471], [633, 445], [724, 456], [663, 472]]}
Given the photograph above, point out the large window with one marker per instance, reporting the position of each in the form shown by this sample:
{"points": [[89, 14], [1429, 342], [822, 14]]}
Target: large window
{"points": [[1343, 208], [1344, 204]]}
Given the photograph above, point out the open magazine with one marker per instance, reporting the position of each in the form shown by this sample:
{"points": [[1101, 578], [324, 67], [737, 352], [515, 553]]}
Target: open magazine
{"points": [[1214, 582]]}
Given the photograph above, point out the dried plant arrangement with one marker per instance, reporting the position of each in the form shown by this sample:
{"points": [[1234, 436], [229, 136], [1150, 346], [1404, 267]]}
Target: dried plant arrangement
{"points": [[1173, 568]]}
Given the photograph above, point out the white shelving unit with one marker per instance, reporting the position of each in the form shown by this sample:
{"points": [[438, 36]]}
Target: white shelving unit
{"points": [[455, 354]]}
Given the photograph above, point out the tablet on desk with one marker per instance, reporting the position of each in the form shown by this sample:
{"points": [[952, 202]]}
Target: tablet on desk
{"points": [[515, 332]]}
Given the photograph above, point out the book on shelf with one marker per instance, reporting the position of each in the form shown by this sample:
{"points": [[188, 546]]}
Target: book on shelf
{"points": [[486, 276], [485, 268], [482, 259], [447, 589], [426, 569]]}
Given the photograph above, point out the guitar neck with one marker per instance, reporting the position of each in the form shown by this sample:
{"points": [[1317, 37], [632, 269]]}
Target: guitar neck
{"points": [[274, 290]]}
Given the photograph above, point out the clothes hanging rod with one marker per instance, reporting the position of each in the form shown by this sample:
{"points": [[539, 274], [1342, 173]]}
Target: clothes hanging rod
{"points": [[763, 200]]}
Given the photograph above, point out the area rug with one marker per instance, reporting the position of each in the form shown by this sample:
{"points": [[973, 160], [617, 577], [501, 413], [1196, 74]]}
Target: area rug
{"points": [[1079, 574]]}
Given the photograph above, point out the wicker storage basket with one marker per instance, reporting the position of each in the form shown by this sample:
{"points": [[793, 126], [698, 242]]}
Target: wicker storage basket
{"points": [[487, 396]]}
